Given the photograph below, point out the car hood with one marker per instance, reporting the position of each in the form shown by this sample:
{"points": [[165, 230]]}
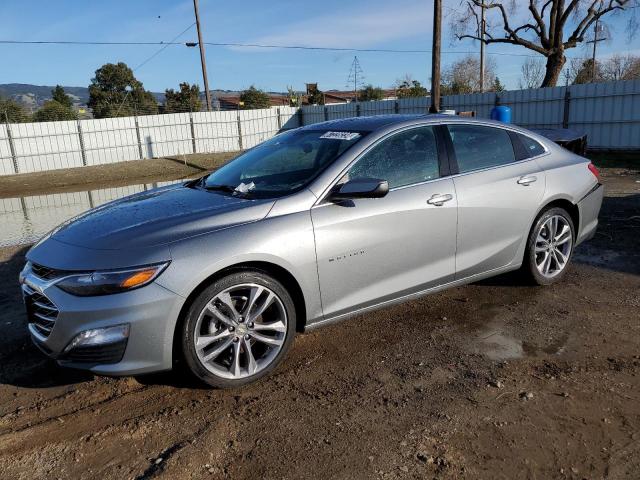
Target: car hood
{"points": [[158, 217]]}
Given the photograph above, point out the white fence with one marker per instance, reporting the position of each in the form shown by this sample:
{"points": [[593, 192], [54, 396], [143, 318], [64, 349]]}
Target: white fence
{"points": [[608, 112]]}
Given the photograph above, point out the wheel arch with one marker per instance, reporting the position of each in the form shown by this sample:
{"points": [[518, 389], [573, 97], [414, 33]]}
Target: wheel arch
{"points": [[276, 271], [561, 202], [566, 204]]}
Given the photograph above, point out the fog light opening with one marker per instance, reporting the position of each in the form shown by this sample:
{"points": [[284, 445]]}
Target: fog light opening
{"points": [[99, 336]]}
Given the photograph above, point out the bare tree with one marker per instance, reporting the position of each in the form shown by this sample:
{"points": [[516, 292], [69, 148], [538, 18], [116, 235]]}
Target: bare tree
{"points": [[548, 27], [463, 76], [617, 67], [532, 73], [621, 67], [581, 70]]}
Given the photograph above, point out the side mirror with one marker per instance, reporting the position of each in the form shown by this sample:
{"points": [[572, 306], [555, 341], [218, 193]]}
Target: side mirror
{"points": [[361, 188]]}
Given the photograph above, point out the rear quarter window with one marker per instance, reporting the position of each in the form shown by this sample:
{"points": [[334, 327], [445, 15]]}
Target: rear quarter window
{"points": [[531, 146]]}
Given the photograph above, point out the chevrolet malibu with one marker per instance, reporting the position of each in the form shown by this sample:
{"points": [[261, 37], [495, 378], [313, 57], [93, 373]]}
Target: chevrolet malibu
{"points": [[310, 227]]}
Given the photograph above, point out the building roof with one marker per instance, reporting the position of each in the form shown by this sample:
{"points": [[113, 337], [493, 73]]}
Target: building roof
{"points": [[232, 102]]}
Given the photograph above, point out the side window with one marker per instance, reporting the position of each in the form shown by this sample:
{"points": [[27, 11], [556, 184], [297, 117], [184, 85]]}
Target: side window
{"points": [[478, 147], [532, 147], [405, 158]]}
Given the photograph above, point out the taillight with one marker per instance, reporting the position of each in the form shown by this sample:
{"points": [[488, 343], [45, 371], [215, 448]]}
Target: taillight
{"points": [[594, 170]]}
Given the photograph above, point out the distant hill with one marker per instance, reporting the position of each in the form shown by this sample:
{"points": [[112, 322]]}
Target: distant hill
{"points": [[34, 96]]}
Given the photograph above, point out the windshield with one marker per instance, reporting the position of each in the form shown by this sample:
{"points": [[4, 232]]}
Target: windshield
{"points": [[283, 164]]}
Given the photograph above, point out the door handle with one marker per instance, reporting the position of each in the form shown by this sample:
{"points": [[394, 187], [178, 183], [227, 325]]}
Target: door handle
{"points": [[527, 180], [438, 200]]}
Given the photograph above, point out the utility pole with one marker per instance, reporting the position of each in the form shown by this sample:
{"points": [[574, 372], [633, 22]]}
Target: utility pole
{"points": [[596, 29], [435, 57], [202, 57], [482, 29]]}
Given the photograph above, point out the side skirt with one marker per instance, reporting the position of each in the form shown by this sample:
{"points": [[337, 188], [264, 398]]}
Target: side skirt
{"points": [[412, 296]]}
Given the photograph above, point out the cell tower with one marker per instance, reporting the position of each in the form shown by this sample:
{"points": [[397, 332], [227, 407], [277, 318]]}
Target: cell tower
{"points": [[356, 78]]}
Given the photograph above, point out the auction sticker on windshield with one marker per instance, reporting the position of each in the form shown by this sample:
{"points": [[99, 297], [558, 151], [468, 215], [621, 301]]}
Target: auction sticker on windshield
{"points": [[341, 135]]}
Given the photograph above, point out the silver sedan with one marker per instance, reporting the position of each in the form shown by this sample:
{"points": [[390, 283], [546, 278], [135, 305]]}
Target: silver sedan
{"points": [[312, 226]]}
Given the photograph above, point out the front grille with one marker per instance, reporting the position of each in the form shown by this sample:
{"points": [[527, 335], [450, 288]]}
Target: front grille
{"points": [[41, 312], [46, 273]]}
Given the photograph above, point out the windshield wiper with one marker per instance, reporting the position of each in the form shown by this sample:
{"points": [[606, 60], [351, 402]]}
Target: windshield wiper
{"points": [[195, 182], [220, 188]]}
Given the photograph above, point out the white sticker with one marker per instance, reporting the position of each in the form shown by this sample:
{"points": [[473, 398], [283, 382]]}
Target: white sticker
{"points": [[341, 135], [245, 187]]}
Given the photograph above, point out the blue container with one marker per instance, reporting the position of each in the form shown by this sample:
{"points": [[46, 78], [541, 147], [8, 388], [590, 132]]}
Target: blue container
{"points": [[501, 114]]}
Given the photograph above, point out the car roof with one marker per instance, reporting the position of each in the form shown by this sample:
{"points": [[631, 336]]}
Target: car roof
{"points": [[367, 124], [377, 122]]}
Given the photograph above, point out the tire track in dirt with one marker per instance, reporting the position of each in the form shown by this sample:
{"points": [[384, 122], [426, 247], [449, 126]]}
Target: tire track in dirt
{"points": [[61, 416]]}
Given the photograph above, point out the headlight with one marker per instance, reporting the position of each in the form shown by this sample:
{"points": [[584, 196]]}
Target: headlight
{"points": [[111, 281]]}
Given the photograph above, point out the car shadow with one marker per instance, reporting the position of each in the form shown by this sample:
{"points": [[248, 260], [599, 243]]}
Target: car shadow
{"points": [[615, 244], [179, 378]]}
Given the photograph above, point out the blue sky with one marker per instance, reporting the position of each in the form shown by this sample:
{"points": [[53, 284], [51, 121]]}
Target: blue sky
{"points": [[401, 24]]}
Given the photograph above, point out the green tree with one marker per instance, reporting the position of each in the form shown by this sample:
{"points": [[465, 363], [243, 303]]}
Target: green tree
{"points": [[187, 99], [369, 92], [410, 88], [53, 111], [295, 98], [253, 98], [12, 111], [61, 97], [115, 92], [497, 86]]}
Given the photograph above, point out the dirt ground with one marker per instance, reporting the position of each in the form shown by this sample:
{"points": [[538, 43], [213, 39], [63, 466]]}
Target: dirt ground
{"points": [[492, 380], [110, 175]]}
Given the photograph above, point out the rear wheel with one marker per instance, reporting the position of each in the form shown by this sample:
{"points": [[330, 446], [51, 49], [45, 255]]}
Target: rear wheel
{"points": [[549, 247], [238, 329]]}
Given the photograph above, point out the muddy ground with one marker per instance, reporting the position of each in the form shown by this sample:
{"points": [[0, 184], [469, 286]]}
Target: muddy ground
{"points": [[111, 175], [492, 380]]}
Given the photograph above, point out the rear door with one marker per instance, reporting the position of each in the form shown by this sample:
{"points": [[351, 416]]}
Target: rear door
{"points": [[498, 191], [372, 250]]}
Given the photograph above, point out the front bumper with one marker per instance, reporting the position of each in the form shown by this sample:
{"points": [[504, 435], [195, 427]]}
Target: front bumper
{"points": [[589, 208], [151, 313]]}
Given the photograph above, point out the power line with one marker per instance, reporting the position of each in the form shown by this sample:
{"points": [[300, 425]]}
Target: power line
{"points": [[266, 46], [148, 59], [257, 45], [167, 44]]}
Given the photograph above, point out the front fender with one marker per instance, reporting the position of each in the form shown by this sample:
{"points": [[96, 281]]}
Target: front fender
{"points": [[286, 241]]}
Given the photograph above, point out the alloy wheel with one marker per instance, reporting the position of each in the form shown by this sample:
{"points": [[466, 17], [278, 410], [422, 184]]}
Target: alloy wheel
{"points": [[240, 331], [553, 246]]}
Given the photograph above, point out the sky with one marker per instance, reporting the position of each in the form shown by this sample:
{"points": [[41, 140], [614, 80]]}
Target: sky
{"points": [[400, 24]]}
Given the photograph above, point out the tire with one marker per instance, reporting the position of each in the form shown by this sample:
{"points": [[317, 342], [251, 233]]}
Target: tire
{"points": [[557, 253], [238, 329]]}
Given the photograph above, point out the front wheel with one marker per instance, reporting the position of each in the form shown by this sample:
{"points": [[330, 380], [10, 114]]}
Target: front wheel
{"points": [[238, 329], [549, 247]]}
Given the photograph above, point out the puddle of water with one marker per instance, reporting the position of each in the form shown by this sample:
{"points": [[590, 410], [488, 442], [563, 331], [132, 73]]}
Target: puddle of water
{"points": [[24, 220], [496, 344]]}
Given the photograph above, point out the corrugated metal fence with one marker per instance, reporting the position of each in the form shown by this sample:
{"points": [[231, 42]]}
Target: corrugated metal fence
{"points": [[608, 112]]}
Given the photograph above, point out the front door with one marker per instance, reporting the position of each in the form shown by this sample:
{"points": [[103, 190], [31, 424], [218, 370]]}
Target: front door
{"points": [[372, 250]]}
